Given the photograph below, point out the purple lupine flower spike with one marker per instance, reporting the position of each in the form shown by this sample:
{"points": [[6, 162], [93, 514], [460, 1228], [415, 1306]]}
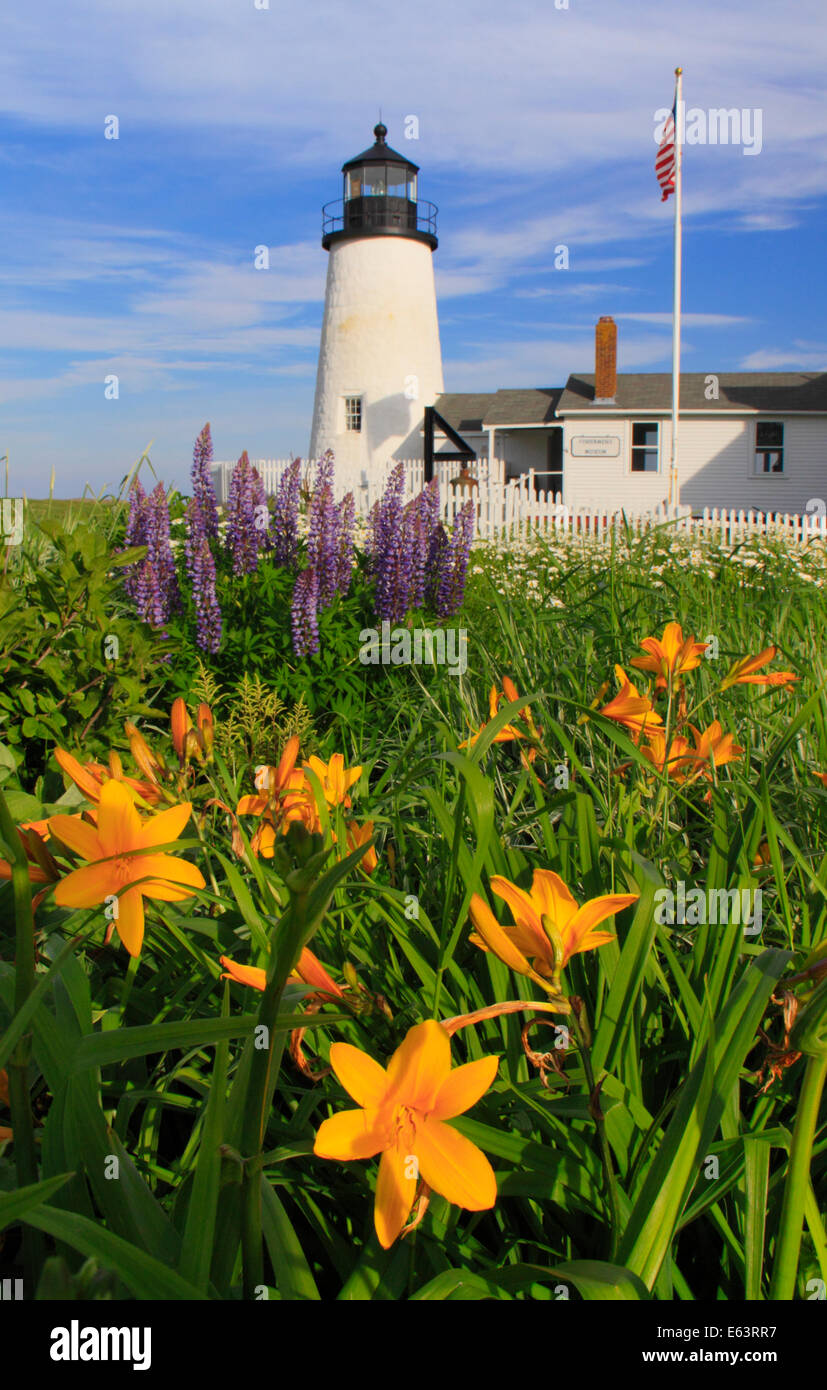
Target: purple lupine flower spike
{"points": [[245, 536], [151, 582], [202, 483], [323, 536], [344, 543], [454, 564], [208, 613], [304, 613], [286, 517]]}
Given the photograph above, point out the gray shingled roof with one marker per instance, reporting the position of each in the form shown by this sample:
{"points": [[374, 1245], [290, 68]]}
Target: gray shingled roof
{"points": [[476, 411], [774, 392], [768, 392], [464, 410]]}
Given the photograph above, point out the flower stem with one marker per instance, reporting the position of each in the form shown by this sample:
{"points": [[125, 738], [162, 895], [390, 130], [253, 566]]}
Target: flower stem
{"points": [[605, 1150], [788, 1248], [25, 1156], [285, 948]]}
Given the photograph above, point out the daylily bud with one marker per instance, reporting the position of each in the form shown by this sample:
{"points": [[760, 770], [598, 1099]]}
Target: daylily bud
{"points": [[115, 765], [193, 746], [556, 945], [203, 716], [181, 723], [509, 689], [598, 699], [207, 738], [149, 762], [287, 762], [349, 972]]}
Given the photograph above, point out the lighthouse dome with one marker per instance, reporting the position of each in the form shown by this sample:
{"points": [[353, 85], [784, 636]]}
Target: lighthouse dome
{"points": [[379, 198]]}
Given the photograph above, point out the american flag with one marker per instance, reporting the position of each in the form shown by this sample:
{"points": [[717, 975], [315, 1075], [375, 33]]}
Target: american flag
{"points": [[665, 158]]}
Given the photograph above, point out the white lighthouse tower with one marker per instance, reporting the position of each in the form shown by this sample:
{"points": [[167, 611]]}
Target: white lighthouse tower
{"points": [[379, 362]]}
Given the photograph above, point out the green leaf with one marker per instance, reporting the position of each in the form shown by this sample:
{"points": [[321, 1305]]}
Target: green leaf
{"points": [[197, 1246], [15, 1205], [102, 1049], [293, 1276], [458, 1285], [145, 1276], [597, 1279]]}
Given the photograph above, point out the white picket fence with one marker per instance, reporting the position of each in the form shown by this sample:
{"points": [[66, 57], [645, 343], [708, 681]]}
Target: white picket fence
{"points": [[365, 489], [513, 509]]}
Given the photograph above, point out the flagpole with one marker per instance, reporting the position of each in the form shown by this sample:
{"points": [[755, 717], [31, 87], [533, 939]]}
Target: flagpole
{"points": [[674, 488]]}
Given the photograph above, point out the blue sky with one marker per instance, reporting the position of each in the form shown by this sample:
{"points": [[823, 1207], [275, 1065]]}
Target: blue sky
{"points": [[134, 256]]}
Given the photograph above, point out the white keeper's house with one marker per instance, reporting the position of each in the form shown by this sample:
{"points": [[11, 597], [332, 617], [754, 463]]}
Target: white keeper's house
{"points": [[747, 440]]}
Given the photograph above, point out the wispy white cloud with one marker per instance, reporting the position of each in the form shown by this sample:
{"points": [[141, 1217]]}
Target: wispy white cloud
{"points": [[693, 320], [793, 359]]}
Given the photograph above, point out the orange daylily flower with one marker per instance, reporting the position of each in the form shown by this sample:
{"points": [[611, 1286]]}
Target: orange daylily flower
{"points": [[90, 778], [670, 655], [822, 777], [632, 710], [402, 1116], [713, 745], [508, 732], [654, 750], [336, 779], [283, 795], [117, 864], [549, 926], [309, 971], [356, 836], [743, 672]]}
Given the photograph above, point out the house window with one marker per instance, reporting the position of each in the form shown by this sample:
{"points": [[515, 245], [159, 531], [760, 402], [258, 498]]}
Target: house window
{"points": [[645, 446], [769, 447], [353, 413]]}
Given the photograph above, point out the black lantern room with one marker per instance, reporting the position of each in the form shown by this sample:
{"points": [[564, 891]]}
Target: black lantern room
{"points": [[379, 199]]}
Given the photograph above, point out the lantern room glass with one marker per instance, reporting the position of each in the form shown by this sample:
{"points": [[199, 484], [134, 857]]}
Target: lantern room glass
{"points": [[381, 181]]}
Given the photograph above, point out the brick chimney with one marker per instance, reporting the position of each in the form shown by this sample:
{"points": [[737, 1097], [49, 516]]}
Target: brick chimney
{"points": [[605, 359]]}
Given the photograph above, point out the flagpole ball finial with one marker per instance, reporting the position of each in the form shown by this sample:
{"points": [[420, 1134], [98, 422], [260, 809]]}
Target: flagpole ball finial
{"points": [[678, 71]]}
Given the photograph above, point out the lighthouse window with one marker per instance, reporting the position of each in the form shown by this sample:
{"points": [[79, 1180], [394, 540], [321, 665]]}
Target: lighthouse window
{"points": [[375, 181], [353, 413], [397, 181], [354, 184]]}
